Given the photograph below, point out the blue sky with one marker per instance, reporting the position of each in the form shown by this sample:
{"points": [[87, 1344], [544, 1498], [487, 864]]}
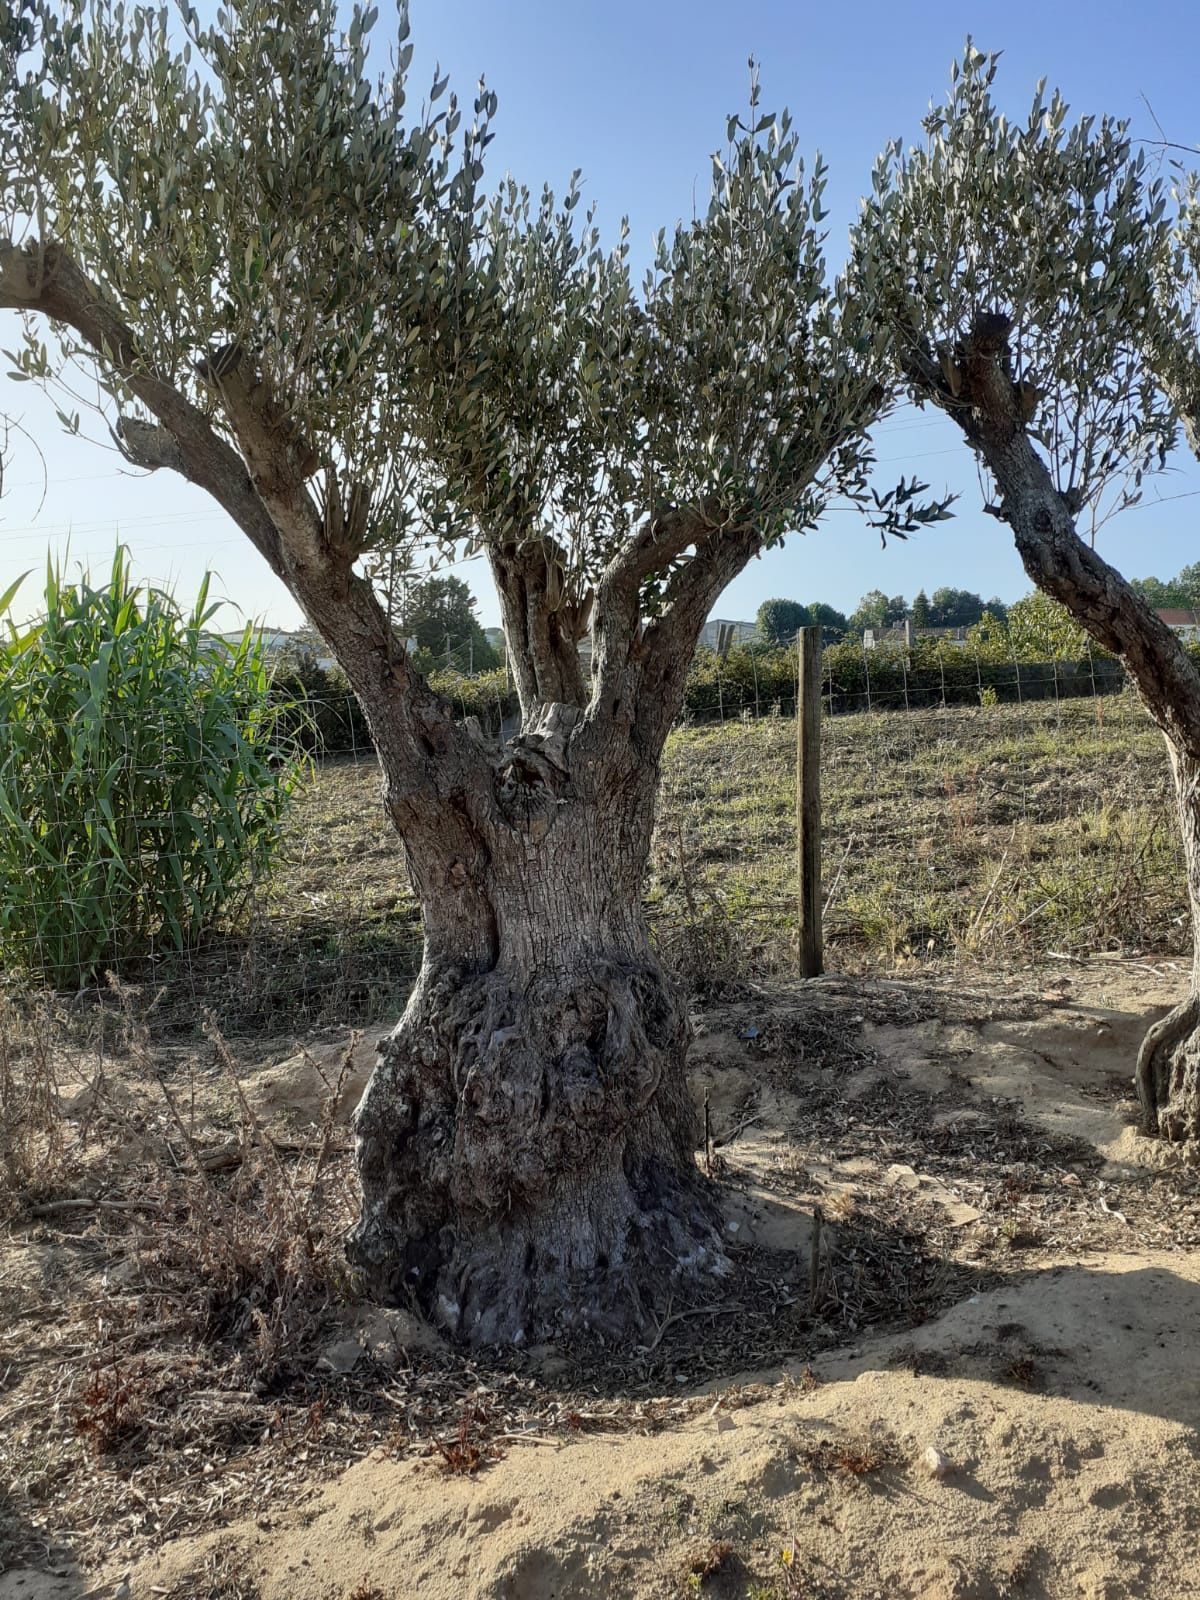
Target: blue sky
{"points": [[636, 95]]}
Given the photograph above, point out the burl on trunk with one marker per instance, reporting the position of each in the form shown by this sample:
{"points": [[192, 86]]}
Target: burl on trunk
{"points": [[526, 1144]]}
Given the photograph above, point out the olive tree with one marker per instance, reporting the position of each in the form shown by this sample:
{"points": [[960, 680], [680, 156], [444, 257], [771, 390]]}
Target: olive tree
{"points": [[1015, 264], [299, 297]]}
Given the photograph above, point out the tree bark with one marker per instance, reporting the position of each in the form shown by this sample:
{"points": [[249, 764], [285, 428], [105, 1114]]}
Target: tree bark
{"points": [[990, 409], [526, 1144], [1168, 1066]]}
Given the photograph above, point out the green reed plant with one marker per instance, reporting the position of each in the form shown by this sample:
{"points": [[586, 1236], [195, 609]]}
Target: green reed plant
{"points": [[143, 778]]}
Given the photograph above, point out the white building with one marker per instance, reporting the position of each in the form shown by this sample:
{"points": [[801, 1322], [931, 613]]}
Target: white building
{"points": [[714, 634], [1184, 623]]}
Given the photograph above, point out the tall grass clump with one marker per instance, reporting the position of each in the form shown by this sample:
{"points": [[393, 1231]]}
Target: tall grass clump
{"points": [[143, 785]]}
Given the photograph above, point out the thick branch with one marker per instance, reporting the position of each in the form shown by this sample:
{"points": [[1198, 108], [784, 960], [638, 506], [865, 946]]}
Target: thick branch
{"points": [[423, 752], [670, 641], [543, 624], [44, 279], [1185, 397], [660, 541], [992, 411], [279, 458]]}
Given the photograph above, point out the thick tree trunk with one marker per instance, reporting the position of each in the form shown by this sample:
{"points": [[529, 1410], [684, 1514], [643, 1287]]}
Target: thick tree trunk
{"points": [[1168, 1067], [527, 1143]]}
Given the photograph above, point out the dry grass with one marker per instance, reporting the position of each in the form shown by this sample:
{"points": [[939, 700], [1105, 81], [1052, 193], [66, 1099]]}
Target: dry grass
{"points": [[986, 834], [851, 1458], [174, 1270], [990, 835], [36, 1147], [166, 1308], [168, 1276]]}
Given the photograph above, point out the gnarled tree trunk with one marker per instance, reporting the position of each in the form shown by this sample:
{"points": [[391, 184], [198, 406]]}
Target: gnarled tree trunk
{"points": [[990, 408], [526, 1144]]}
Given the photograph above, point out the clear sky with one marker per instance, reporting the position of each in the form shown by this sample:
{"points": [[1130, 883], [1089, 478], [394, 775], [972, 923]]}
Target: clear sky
{"points": [[635, 92]]}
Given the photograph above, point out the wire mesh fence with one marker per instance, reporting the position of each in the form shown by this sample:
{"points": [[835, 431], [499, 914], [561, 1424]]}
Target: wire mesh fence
{"points": [[1010, 832], [1031, 821]]}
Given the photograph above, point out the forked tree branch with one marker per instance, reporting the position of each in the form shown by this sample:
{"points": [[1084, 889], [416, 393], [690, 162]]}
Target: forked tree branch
{"points": [[41, 278]]}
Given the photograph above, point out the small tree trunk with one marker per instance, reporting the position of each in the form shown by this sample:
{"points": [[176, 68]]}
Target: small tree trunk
{"points": [[1168, 1067], [526, 1144]]}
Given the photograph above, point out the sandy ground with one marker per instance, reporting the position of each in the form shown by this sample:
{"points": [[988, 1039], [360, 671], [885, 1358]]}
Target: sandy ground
{"points": [[1085, 1483], [1041, 1437]]}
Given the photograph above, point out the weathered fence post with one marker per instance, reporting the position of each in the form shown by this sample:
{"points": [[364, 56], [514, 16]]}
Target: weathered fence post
{"points": [[808, 800]]}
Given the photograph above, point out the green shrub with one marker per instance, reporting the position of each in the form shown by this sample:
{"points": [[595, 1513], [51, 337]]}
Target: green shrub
{"points": [[318, 712], [485, 696], [894, 677], [142, 781]]}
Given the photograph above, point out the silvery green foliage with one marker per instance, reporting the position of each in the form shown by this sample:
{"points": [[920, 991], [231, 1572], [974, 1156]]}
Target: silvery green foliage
{"points": [[1055, 226], [247, 184], [483, 370], [1173, 339], [735, 376]]}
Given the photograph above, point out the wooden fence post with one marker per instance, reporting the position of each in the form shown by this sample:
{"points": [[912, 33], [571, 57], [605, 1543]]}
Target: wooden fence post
{"points": [[808, 800]]}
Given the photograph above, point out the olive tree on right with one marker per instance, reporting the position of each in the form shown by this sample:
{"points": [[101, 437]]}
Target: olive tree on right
{"points": [[1021, 267]]}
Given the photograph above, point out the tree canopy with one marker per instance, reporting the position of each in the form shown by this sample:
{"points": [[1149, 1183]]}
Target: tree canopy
{"points": [[876, 610], [1040, 629], [780, 620], [281, 269], [1040, 233]]}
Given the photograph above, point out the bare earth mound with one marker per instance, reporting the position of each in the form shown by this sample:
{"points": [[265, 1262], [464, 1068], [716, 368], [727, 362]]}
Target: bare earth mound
{"points": [[976, 1379], [1066, 1408]]}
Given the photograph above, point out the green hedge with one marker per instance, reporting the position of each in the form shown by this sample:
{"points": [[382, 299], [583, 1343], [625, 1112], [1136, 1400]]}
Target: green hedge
{"points": [[931, 672], [754, 679]]}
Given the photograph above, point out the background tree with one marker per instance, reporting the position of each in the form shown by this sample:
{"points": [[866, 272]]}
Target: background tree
{"points": [[307, 306], [876, 610], [439, 613], [1016, 263], [1040, 629], [1160, 595], [780, 620], [920, 610], [832, 622], [955, 608]]}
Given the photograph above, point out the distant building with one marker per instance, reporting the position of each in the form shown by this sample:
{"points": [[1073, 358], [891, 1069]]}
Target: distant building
{"points": [[1184, 623], [894, 633], [718, 634], [905, 633]]}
